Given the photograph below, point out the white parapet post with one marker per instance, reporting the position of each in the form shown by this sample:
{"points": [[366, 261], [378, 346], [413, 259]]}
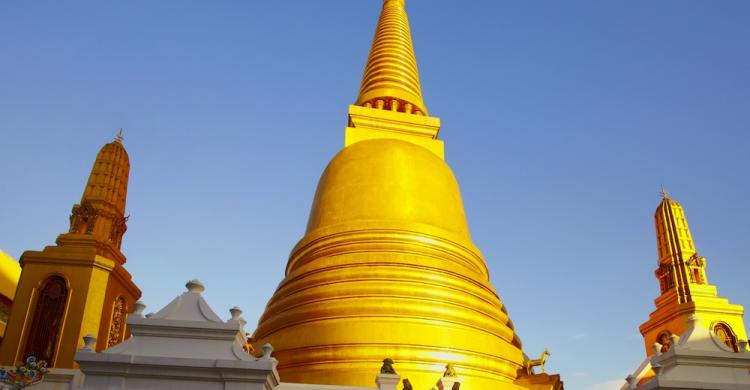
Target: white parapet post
{"points": [[447, 382], [387, 381]]}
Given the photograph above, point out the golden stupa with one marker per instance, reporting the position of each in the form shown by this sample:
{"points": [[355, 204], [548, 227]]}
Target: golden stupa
{"points": [[684, 287], [387, 267]]}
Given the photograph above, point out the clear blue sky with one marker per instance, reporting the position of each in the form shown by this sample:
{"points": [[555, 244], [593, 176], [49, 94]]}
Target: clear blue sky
{"points": [[561, 121]]}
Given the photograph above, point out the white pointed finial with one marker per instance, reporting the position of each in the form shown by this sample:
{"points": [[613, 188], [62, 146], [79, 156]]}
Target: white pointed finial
{"points": [[88, 342], [119, 136], [657, 348], [138, 308], [673, 340], [267, 350], [195, 286]]}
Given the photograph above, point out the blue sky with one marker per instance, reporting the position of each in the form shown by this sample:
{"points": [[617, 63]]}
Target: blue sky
{"points": [[561, 121]]}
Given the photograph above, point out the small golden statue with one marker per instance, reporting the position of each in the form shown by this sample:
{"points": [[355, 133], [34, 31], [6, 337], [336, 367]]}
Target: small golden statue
{"points": [[531, 363], [248, 347], [449, 371]]}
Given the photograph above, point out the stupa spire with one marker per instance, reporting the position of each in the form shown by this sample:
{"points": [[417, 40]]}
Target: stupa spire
{"points": [[101, 213], [673, 236], [108, 182], [391, 77], [676, 249]]}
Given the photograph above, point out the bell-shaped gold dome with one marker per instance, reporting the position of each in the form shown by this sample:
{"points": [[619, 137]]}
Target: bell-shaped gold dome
{"points": [[387, 269], [388, 180]]}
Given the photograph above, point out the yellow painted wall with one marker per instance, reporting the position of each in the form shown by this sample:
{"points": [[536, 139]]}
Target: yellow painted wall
{"points": [[87, 276]]}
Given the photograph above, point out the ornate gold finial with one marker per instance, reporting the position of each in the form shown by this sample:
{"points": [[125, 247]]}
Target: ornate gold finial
{"points": [[664, 194], [391, 79], [119, 136]]}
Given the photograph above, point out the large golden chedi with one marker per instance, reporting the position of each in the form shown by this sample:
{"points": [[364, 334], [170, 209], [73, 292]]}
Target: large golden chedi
{"points": [[387, 267]]}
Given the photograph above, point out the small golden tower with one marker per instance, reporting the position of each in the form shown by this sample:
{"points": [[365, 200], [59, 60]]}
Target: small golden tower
{"points": [[684, 287], [387, 267], [78, 286]]}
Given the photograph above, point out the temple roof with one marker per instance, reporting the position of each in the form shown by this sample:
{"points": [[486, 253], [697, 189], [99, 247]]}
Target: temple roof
{"points": [[184, 342], [187, 327]]}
